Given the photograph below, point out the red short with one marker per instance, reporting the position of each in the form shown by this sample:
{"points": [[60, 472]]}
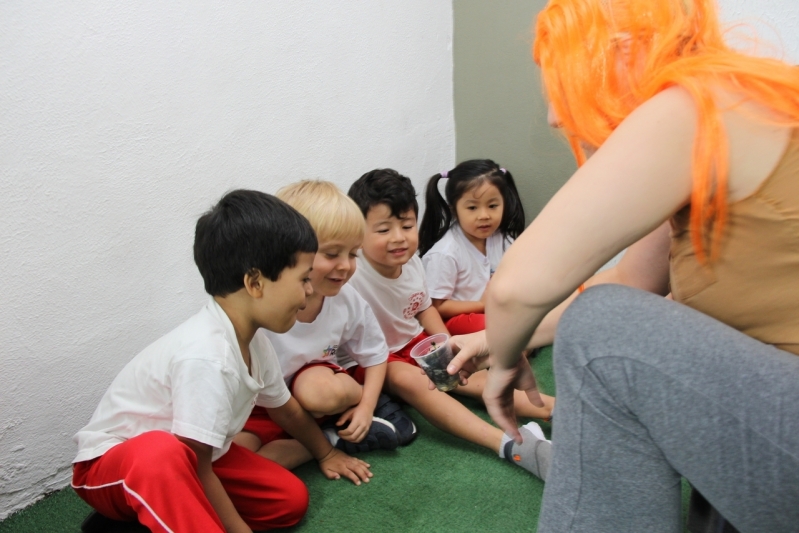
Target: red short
{"points": [[403, 355], [153, 478], [261, 424], [466, 323]]}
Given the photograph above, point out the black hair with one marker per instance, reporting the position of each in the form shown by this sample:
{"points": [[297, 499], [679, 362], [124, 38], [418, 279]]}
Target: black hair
{"points": [[384, 186], [248, 231], [439, 213]]}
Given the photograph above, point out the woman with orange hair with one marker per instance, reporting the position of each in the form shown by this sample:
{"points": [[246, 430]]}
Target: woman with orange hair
{"points": [[696, 170]]}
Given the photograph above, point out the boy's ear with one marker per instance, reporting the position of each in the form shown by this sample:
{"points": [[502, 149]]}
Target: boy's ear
{"points": [[254, 283]]}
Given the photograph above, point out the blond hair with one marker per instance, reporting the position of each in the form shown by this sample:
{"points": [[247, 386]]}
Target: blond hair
{"points": [[663, 43], [333, 214]]}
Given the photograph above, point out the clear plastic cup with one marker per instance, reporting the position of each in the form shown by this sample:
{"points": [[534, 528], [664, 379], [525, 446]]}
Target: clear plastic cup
{"points": [[433, 355]]}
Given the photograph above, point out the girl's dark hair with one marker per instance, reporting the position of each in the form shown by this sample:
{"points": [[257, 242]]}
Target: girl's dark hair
{"points": [[439, 212]]}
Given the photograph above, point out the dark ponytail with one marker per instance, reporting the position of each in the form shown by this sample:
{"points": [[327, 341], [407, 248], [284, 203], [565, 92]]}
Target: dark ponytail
{"points": [[512, 224], [437, 216]]}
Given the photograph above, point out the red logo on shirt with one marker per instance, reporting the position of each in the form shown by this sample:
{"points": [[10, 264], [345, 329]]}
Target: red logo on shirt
{"points": [[415, 301]]}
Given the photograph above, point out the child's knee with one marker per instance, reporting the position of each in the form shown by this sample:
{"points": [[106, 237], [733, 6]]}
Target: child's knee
{"points": [[328, 393], [248, 440], [404, 379], [287, 510], [296, 502]]}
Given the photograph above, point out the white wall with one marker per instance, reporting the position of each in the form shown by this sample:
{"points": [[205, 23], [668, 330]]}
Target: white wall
{"points": [[774, 23], [123, 121]]}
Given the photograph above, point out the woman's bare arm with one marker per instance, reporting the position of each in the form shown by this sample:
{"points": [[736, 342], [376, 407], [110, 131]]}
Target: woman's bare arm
{"points": [[645, 265], [634, 183]]}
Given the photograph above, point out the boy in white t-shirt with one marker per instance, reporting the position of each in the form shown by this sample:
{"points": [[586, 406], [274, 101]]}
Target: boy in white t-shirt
{"points": [[334, 357], [159, 445], [390, 276]]}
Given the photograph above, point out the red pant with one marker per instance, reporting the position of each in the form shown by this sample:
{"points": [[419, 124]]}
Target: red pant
{"points": [[153, 477], [466, 323]]}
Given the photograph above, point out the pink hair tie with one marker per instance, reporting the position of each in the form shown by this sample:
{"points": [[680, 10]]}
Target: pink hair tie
{"points": [[444, 174], [503, 170]]}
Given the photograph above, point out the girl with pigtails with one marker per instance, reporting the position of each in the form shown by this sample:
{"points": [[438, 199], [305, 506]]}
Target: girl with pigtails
{"points": [[462, 238]]}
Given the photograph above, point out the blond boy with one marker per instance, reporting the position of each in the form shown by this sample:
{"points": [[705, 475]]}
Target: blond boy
{"points": [[334, 358]]}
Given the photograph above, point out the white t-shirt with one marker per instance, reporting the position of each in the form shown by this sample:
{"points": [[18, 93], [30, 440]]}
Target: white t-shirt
{"points": [[457, 270], [191, 382], [345, 332], [395, 302]]}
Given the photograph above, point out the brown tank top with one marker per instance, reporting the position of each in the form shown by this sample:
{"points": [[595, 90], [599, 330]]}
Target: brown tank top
{"points": [[754, 284]]}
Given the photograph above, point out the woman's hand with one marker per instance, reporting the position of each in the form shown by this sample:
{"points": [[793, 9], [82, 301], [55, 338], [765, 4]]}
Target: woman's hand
{"points": [[498, 394], [471, 355]]}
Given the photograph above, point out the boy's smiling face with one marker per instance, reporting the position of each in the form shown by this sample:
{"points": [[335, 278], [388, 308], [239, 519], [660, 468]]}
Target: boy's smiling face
{"points": [[281, 300], [389, 242], [334, 265]]}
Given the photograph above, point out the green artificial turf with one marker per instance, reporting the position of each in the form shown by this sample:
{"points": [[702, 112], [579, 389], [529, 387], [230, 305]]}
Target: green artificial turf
{"points": [[58, 512], [438, 483]]}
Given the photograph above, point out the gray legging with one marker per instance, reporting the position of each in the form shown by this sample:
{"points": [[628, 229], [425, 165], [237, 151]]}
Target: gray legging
{"points": [[649, 390]]}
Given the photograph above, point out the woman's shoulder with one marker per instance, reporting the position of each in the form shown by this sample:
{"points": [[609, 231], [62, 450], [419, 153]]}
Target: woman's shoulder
{"points": [[673, 106]]}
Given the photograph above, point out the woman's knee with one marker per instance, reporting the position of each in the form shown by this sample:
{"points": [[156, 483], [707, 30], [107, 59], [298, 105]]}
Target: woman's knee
{"points": [[604, 320], [603, 312]]}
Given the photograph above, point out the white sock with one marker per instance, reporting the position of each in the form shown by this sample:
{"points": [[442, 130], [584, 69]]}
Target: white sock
{"points": [[331, 435], [536, 430]]}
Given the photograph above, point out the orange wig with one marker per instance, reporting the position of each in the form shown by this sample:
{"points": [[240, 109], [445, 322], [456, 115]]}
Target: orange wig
{"points": [[580, 46]]}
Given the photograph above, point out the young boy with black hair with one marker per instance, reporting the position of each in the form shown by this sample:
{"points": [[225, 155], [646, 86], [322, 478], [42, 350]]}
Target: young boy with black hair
{"points": [[159, 445], [390, 276]]}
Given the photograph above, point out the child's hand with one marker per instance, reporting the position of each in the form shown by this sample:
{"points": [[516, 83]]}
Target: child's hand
{"points": [[337, 464], [360, 419]]}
